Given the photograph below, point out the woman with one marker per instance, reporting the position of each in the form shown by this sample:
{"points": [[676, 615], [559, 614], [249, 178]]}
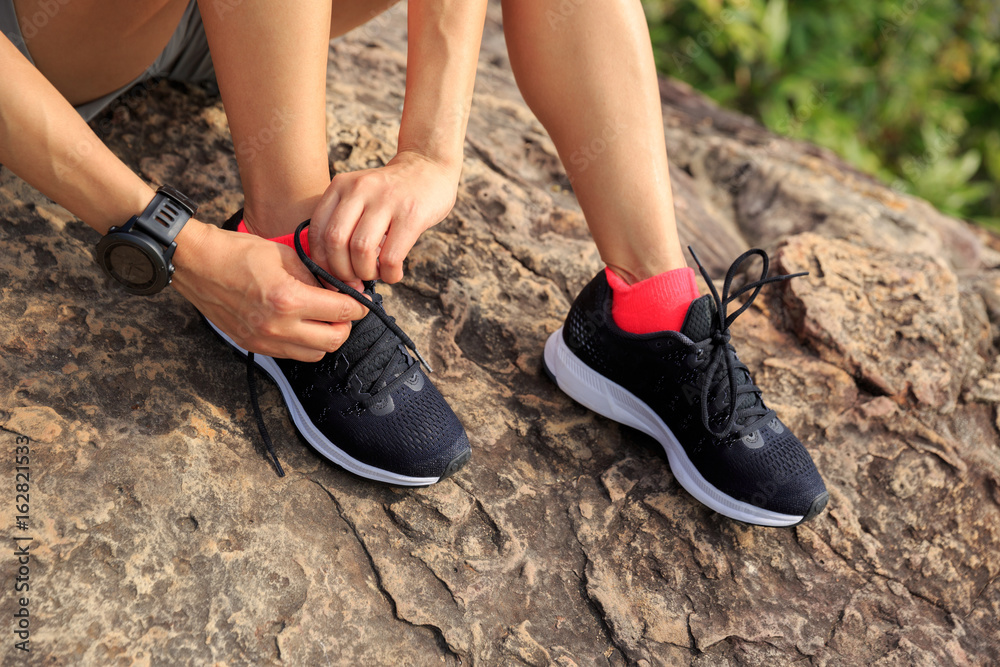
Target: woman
{"points": [[639, 346]]}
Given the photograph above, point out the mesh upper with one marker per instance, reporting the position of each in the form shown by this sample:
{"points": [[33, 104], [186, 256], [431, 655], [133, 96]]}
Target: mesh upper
{"points": [[365, 334], [418, 436], [698, 326]]}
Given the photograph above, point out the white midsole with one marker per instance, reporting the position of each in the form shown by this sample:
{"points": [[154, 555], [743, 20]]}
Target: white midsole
{"points": [[593, 390], [314, 436]]}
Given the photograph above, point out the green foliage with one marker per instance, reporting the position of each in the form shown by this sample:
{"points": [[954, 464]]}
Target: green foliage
{"points": [[908, 90]]}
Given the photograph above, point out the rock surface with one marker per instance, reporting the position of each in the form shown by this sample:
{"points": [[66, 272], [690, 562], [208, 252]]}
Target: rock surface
{"points": [[161, 535]]}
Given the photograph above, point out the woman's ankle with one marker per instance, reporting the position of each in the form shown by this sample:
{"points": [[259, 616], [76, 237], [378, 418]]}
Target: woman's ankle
{"points": [[273, 220], [648, 266]]}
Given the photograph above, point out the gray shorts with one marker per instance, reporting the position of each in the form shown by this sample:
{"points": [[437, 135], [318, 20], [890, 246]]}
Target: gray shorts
{"points": [[185, 57]]}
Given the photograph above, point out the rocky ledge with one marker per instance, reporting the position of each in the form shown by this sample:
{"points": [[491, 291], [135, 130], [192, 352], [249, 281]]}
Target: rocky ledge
{"points": [[161, 535]]}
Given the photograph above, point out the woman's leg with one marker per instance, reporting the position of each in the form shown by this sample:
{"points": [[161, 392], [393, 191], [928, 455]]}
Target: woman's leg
{"points": [[586, 70], [270, 61]]}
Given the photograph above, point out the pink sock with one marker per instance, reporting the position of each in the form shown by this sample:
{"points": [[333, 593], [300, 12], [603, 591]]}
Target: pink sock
{"points": [[287, 239], [655, 304]]}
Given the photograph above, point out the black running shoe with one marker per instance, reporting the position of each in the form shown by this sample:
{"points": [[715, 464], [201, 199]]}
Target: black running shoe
{"points": [[368, 407], [691, 393]]}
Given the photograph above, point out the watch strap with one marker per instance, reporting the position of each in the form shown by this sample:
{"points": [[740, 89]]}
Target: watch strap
{"points": [[165, 216]]}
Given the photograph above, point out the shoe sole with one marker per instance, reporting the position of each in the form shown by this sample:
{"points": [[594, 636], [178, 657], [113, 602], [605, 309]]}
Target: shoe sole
{"points": [[320, 442], [592, 390]]}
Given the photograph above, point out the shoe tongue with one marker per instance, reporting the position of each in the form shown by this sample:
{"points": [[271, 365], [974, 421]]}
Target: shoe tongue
{"points": [[234, 221], [368, 363], [698, 326], [698, 322]]}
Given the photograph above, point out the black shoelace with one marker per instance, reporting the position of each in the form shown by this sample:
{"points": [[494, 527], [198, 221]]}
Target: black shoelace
{"points": [[389, 337], [723, 364]]}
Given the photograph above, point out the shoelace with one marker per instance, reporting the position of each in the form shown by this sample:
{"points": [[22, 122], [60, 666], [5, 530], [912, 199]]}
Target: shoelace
{"points": [[723, 356], [375, 306]]}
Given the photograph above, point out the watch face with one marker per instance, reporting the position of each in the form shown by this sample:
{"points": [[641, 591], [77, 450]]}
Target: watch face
{"points": [[134, 260], [131, 266]]}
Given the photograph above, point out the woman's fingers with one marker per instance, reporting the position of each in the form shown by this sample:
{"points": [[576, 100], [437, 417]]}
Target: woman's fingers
{"points": [[335, 237], [367, 221], [323, 305], [396, 246], [260, 294], [366, 242]]}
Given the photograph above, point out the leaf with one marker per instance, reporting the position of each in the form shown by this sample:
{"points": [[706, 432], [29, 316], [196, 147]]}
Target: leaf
{"points": [[776, 29]]}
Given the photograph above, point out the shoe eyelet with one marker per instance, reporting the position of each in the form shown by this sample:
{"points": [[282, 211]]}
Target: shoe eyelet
{"points": [[753, 440]]}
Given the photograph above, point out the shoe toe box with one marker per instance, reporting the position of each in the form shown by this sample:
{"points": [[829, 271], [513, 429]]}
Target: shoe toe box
{"points": [[420, 436], [772, 470]]}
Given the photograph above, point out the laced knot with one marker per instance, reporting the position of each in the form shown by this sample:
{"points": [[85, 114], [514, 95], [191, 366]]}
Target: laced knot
{"points": [[377, 387], [742, 415]]}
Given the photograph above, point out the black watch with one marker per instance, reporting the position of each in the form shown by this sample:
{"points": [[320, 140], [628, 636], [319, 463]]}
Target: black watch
{"points": [[138, 253]]}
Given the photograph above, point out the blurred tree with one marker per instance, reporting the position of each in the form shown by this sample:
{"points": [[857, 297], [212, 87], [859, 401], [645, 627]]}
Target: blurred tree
{"points": [[908, 90]]}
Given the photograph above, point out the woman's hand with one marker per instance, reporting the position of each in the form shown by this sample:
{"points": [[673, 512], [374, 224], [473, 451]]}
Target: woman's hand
{"points": [[367, 221], [261, 294]]}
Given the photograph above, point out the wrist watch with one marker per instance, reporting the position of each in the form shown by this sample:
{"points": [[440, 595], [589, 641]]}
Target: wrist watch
{"points": [[138, 253]]}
